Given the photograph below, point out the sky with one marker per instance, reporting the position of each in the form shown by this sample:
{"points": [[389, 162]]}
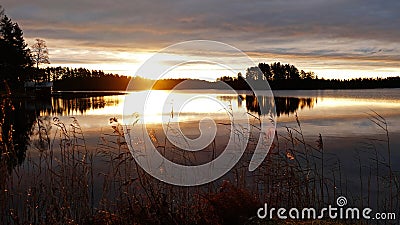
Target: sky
{"points": [[334, 38]]}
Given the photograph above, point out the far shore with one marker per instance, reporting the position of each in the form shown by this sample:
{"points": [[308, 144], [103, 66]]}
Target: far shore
{"points": [[98, 93]]}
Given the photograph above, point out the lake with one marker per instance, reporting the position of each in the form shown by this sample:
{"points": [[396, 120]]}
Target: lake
{"points": [[342, 113], [353, 149], [342, 117], [335, 114]]}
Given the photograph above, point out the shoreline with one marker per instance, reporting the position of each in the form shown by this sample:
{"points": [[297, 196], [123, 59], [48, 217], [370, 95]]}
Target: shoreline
{"points": [[95, 93]]}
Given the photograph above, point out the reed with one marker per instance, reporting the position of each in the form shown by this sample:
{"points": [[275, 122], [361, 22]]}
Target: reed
{"points": [[60, 181]]}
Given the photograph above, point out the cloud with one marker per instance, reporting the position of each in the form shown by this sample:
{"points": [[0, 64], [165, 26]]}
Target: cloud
{"points": [[360, 32]]}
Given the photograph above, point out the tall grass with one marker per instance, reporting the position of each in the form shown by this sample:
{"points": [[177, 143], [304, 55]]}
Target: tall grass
{"points": [[63, 182]]}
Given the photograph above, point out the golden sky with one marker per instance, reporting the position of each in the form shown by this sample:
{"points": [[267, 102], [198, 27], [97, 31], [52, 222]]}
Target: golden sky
{"points": [[335, 39]]}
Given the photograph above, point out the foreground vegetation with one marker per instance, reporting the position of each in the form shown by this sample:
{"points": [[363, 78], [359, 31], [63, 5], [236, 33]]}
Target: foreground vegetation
{"points": [[63, 181]]}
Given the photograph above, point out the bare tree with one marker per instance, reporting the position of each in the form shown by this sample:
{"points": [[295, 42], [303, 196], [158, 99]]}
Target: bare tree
{"points": [[40, 54]]}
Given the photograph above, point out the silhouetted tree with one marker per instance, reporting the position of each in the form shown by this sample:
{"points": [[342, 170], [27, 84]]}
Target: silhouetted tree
{"points": [[254, 73], [40, 53], [307, 75], [278, 71], [286, 76], [266, 70], [14, 55], [226, 79], [293, 72]]}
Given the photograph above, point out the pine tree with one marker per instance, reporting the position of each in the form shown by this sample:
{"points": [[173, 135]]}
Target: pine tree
{"points": [[15, 57]]}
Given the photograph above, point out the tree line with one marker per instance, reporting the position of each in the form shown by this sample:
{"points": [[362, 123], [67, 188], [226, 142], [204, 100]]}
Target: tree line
{"points": [[65, 73], [19, 63], [81, 79], [289, 77], [278, 71], [272, 72]]}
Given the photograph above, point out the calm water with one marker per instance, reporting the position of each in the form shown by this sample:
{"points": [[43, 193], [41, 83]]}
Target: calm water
{"points": [[340, 113], [335, 114], [342, 117]]}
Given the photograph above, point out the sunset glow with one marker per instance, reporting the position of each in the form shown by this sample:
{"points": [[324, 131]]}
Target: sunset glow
{"points": [[338, 40]]}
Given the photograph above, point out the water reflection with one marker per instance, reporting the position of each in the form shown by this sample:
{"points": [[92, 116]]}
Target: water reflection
{"points": [[24, 122], [290, 105], [20, 118], [74, 106], [284, 105], [16, 121]]}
